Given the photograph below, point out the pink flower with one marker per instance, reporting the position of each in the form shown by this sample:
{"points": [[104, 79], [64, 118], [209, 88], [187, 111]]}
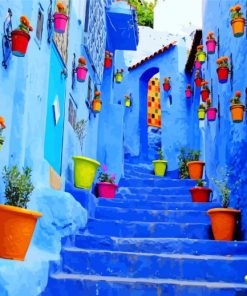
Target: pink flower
{"points": [[112, 177], [104, 167]]}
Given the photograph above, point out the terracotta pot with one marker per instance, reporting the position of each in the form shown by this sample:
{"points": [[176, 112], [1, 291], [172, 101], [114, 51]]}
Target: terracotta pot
{"points": [[20, 41], [108, 62], [211, 46], [201, 114], [16, 230], [238, 27], [198, 82], [195, 169], [211, 114], [188, 93], [200, 194], [106, 189], [237, 111], [166, 86], [223, 221], [205, 94], [96, 105], [222, 74]]}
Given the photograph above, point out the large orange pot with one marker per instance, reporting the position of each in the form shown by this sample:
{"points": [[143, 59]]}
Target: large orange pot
{"points": [[195, 169], [238, 26], [223, 221], [16, 230], [96, 105], [237, 111]]}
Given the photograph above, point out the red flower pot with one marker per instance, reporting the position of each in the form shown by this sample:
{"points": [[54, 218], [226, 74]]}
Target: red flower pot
{"points": [[200, 194], [106, 189], [198, 82], [166, 86], [222, 74], [205, 94], [188, 93], [211, 114], [108, 62], [20, 41]]}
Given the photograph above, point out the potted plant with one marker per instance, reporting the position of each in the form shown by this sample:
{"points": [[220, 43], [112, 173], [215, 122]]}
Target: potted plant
{"points": [[106, 185], [127, 101], [237, 108], [211, 43], [81, 70], [167, 83], [97, 103], [205, 92], [198, 65], [201, 112], [237, 21], [186, 156], [119, 76], [211, 111], [17, 224], [60, 19], [2, 127], [223, 69], [108, 59], [200, 54], [198, 78], [20, 37], [84, 168], [200, 193], [195, 167], [160, 165], [188, 91], [223, 220]]}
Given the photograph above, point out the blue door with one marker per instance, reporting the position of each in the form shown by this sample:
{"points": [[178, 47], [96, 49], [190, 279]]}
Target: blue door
{"points": [[55, 112]]}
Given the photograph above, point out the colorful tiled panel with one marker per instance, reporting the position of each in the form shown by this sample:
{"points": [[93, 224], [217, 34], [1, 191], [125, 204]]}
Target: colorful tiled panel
{"points": [[154, 111]]}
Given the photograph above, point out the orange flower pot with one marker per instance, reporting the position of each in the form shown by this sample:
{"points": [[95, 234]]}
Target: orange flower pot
{"points": [[238, 26], [237, 112], [223, 221], [96, 105], [195, 169], [16, 230]]}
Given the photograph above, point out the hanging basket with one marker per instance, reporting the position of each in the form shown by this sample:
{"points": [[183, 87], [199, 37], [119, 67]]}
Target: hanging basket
{"points": [[198, 82], [108, 62], [211, 114], [223, 74], [211, 46], [201, 114], [237, 111], [166, 86], [60, 22], [188, 93], [81, 73], [96, 105], [205, 94], [238, 26], [20, 41]]}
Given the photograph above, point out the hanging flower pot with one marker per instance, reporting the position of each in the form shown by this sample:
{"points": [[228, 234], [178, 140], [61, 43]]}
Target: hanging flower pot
{"points": [[97, 103], [223, 69], [198, 65], [167, 83], [211, 43], [237, 21], [127, 101], [108, 59], [84, 171], [60, 19], [119, 76], [106, 185], [2, 127], [200, 54], [200, 193], [237, 108], [223, 221], [81, 70], [201, 114], [198, 82], [20, 37], [205, 92], [195, 169], [188, 91], [211, 114]]}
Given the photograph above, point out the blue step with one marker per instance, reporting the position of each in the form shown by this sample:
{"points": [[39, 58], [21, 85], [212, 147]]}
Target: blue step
{"points": [[174, 266], [143, 197], [177, 216], [153, 182], [155, 205], [149, 229], [155, 190], [141, 168], [63, 284], [161, 245]]}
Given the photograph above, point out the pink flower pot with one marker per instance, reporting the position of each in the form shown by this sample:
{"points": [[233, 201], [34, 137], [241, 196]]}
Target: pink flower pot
{"points": [[60, 22], [107, 190], [81, 74], [211, 45], [211, 114], [188, 93], [198, 65]]}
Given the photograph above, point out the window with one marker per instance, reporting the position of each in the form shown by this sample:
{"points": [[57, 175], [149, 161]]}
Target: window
{"points": [[72, 112], [89, 90], [39, 27]]}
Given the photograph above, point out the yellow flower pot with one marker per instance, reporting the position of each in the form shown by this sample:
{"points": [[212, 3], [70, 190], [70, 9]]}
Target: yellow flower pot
{"points": [[201, 114], [84, 171], [160, 167], [119, 77], [127, 102], [201, 57]]}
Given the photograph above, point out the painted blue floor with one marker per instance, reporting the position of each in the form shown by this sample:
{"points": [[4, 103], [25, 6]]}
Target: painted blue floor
{"points": [[150, 240]]}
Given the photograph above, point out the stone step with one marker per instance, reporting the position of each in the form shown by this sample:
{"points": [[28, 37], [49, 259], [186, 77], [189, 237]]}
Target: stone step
{"points": [[174, 266], [177, 216], [139, 168], [155, 205], [149, 197], [155, 190], [63, 284], [160, 182], [161, 245], [148, 229]]}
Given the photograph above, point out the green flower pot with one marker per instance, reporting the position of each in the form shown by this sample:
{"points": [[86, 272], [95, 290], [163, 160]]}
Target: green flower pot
{"points": [[84, 171], [160, 167]]}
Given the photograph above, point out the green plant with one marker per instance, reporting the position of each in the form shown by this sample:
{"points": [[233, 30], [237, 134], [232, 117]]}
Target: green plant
{"points": [[186, 155], [160, 153], [105, 177], [80, 127], [200, 183], [18, 186], [202, 106], [236, 99]]}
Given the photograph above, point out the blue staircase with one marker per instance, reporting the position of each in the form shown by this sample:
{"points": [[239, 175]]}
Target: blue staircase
{"points": [[150, 240]]}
